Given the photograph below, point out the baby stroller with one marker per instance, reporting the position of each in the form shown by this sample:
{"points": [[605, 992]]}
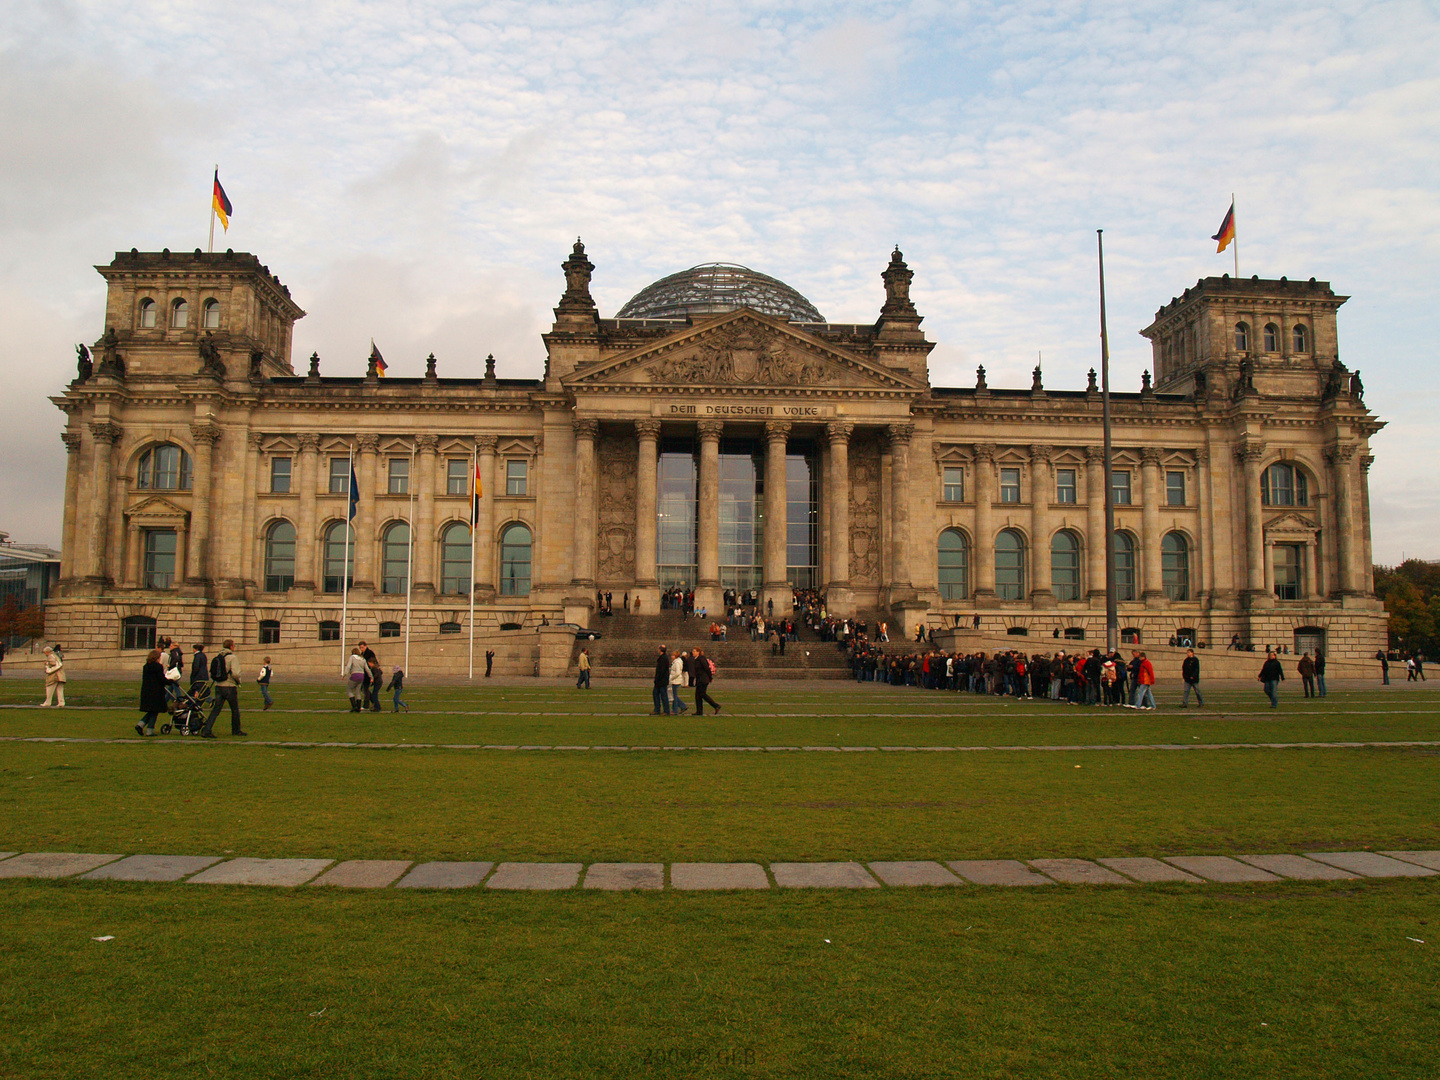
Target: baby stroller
{"points": [[187, 710]]}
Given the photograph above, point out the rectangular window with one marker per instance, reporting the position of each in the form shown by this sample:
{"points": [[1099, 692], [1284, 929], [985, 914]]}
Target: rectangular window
{"points": [[329, 631], [1288, 572], [399, 479], [1065, 485], [280, 475], [159, 558], [954, 484], [516, 476], [1009, 485], [269, 632], [457, 476], [339, 476], [1174, 489], [1120, 487]]}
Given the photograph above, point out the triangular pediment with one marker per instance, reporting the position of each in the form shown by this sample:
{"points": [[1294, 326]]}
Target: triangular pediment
{"points": [[741, 349], [157, 510], [1290, 523]]}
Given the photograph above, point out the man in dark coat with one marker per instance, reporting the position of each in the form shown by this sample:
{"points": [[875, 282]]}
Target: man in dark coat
{"points": [[1272, 675], [662, 683], [1190, 676], [1306, 667], [700, 676], [199, 668]]}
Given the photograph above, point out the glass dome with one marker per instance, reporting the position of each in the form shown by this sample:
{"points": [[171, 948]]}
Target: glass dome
{"points": [[712, 288]]}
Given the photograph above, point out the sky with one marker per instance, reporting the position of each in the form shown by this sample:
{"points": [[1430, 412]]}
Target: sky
{"points": [[416, 172]]}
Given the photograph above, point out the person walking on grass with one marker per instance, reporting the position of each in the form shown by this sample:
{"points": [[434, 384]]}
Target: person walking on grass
{"points": [[199, 669], [355, 669], [397, 683], [661, 690], [679, 676], [1144, 684], [54, 678], [225, 674], [153, 699], [583, 682], [702, 671], [1306, 668], [263, 681], [1272, 675], [1190, 676]]}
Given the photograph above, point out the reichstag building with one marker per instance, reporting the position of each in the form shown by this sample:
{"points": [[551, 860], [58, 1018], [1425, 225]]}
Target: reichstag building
{"points": [[719, 432]]}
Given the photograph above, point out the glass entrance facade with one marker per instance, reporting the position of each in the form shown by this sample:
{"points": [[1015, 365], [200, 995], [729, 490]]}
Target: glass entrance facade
{"points": [[742, 519], [802, 519], [676, 507]]}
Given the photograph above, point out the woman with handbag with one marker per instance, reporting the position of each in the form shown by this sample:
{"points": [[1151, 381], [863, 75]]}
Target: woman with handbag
{"points": [[355, 671], [153, 696]]}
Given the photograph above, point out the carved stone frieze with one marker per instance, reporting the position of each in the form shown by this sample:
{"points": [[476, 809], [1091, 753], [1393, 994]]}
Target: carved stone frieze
{"points": [[615, 531], [744, 354], [865, 511]]}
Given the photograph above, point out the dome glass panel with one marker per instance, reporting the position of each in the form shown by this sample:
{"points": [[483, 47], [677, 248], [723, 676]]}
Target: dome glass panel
{"points": [[713, 288]]}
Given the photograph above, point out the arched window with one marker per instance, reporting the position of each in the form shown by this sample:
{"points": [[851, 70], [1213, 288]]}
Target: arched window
{"points": [[147, 314], [395, 558], [339, 568], [1272, 337], [1065, 565], [164, 468], [1282, 484], [1124, 566], [455, 559], [138, 631], [515, 561], [1242, 337], [210, 314], [1175, 566], [279, 557], [1010, 565], [179, 314], [954, 566], [1300, 337]]}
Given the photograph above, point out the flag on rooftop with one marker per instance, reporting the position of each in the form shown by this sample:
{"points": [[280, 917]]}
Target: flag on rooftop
{"points": [[376, 360], [220, 203], [1226, 235]]}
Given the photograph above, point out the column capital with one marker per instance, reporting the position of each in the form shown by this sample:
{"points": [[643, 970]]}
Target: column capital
{"points": [[309, 442], [1095, 455], [1150, 455], [710, 430], [1249, 450], [1340, 453], [255, 440], [368, 444], [647, 429], [839, 431], [900, 433], [105, 432], [1202, 456], [426, 443], [586, 427], [71, 439], [985, 451], [486, 444], [777, 430], [1366, 460], [205, 433], [1041, 453]]}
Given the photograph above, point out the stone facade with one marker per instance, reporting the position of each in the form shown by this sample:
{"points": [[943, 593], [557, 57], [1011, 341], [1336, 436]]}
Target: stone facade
{"points": [[208, 481]]}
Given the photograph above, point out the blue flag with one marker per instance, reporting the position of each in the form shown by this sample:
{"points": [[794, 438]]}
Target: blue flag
{"points": [[354, 494]]}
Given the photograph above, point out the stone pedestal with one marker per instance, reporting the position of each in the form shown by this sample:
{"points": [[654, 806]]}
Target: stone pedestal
{"points": [[556, 645]]}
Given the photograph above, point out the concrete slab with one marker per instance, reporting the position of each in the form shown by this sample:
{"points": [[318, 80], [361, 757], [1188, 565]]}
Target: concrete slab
{"points": [[1077, 872], [617, 877], [718, 875], [822, 875], [52, 864], [913, 873], [364, 873], [153, 868], [1430, 859], [1148, 870], [283, 872], [1364, 863], [445, 875], [997, 872], [1220, 868], [545, 876], [1296, 866]]}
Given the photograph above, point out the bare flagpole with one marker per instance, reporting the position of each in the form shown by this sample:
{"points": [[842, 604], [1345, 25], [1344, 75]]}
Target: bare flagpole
{"points": [[409, 553], [1112, 617], [1234, 225], [474, 495], [345, 567], [212, 208]]}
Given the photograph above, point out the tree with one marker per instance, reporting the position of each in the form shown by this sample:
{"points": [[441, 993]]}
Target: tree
{"points": [[1411, 595]]}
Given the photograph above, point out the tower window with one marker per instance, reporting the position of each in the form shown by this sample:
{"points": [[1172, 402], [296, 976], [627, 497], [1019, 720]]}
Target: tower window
{"points": [[1272, 337], [179, 314], [147, 314], [1242, 337], [210, 314]]}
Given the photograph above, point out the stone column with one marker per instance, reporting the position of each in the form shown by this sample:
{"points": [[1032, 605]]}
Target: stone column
{"points": [[983, 555], [708, 515], [1096, 541], [1042, 488], [423, 589], [132, 555], [773, 563], [1150, 523], [1269, 549], [365, 514], [1249, 453], [586, 512], [1340, 456], [1222, 541], [104, 436], [246, 573], [646, 494], [900, 435], [484, 534], [837, 499], [306, 542], [1311, 592], [1206, 590], [72, 491], [182, 549], [197, 556], [1367, 535]]}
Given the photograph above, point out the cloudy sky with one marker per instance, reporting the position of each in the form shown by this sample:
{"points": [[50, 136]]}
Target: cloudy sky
{"points": [[416, 172]]}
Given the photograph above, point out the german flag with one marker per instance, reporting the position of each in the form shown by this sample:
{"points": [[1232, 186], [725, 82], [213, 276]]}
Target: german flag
{"points": [[1226, 235], [220, 203], [475, 498], [377, 360]]}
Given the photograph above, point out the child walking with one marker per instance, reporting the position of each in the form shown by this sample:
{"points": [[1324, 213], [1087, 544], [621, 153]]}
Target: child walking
{"points": [[397, 683], [264, 681]]}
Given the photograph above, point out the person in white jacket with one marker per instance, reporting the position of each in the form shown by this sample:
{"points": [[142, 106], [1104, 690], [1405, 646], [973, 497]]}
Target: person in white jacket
{"points": [[677, 680]]}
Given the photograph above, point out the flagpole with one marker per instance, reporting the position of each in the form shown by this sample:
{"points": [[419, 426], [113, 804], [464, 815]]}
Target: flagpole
{"points": [[474, 470], [345, 566], [212, 207], [409, 554], [1234, 227], [1112, 617]]}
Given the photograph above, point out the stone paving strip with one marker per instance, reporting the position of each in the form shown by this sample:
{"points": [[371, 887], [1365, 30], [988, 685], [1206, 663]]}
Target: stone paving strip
{"points": [[688, 877]]}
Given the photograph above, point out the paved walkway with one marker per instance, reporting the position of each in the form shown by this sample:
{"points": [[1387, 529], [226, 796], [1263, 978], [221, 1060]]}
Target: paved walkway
{"points": [[686, 877]]}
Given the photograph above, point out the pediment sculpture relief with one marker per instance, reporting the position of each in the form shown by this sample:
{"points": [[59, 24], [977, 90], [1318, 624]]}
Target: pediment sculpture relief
{"points": [[740, 355]]}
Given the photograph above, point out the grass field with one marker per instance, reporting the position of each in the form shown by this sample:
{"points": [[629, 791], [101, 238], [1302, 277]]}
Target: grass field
{"points": [[1289, 979]]}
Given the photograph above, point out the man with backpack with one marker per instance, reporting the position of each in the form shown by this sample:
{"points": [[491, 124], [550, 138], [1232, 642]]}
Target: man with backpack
{"points": [[225, 674], [702, 672]]}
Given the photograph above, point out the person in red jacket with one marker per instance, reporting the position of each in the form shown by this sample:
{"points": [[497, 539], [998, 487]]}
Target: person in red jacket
{"points": [[1145, 685]]}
